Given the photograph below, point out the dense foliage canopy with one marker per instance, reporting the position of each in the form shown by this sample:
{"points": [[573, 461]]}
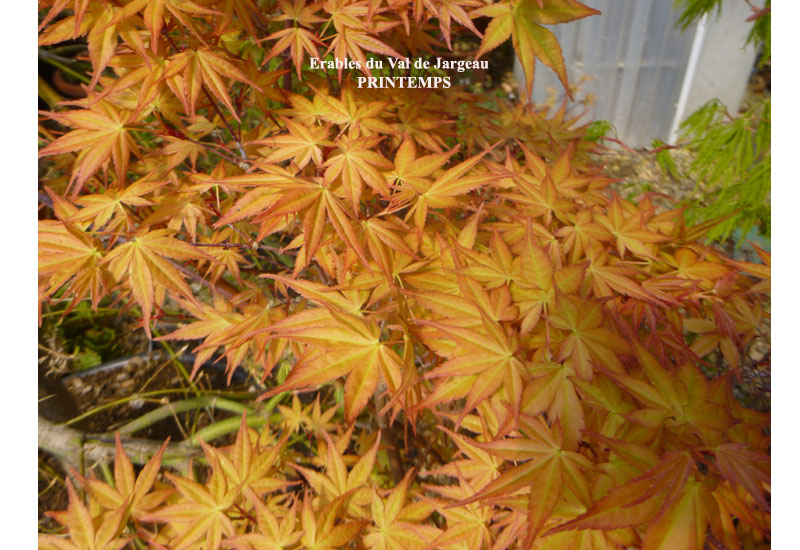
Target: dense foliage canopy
{"points": [[525, 359]]}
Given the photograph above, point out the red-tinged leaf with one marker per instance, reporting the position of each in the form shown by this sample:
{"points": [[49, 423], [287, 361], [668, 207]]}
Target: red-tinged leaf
{"points": [[341, 222], [640, 500], [342, 534], [511, 480], [551, 12], [204, 67], [100, 135], [442, 193], [587, 340], [301, 145], [634, 454], [545, 492], [321, 294], [351, 43], [299, 41], [533, 41], [455, 180], [326, 367], [611, 280], [141, 263], [745, 468], [84, 534], [448, 390], [627, 225], [180, 9], [762, 271], [683, 525], [398, 524], [552, 391], [357, 163], [101, 208], [387, 234], [271, 533], [360, 385], [498, 30], [68, 256], [675, 394], [690, 266]]}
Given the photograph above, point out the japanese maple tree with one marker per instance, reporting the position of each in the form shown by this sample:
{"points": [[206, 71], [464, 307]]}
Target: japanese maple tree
{"points": [[522, 354]]}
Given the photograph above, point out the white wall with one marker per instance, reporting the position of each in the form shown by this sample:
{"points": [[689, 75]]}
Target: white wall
{"points": [[637, 61]]}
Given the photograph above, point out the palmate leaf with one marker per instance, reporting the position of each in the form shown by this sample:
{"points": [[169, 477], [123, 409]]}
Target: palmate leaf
{"points": [[484, 365], [83, 534], [182, 10], [488, 279], [345, 302], [356, 163], [618, 279], [201, 516], [467, 524], [492, 270], [301, 144], [666, 498], [398, 524], [629, 227], [310, 417], [298, 40], [142, 264], [479, 467], [220, 326], [762, 271], [354, 112], [743, 467], [443, 192], [543, 448], [68, 255], [188, 71], [297, 36], [586, 340], [523, 20], [534, 290], [246, 12], [337, 483], [350, 42], [316, 202], [249, 465], [682, 395], [79, 8], [72, 26], [100, 209], [343, 345], [552, 391], [132, 494], [412, 172], [101, 134], [103, 34], [320, 531], [273, 533], [386, 243], [445, 10]]}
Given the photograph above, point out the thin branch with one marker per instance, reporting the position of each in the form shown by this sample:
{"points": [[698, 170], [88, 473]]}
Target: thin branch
{"points": [[225, 293], [227, 124]]}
